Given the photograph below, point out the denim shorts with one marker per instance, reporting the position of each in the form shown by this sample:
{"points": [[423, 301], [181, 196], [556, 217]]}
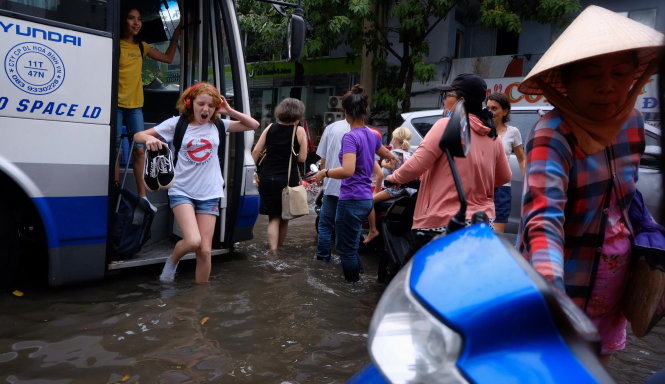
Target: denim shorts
{"points": [[133, 119], [395, 192], [502, 199], [207, 207]]}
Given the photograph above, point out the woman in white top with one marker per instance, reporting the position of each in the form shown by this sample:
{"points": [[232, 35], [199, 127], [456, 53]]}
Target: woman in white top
{"points": [[499, 105], [198, 186]]}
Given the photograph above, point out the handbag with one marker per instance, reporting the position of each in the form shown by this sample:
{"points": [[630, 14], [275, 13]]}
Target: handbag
{"points": [[294, 199], [262, 155], [643, 300]]}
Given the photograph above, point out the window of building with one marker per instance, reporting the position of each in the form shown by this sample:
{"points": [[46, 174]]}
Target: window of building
{"points": [[458, 43], [644, 16], [506, 42]]}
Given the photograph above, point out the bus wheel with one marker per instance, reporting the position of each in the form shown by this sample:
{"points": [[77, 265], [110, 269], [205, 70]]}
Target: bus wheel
{"points": [[10, 243]]}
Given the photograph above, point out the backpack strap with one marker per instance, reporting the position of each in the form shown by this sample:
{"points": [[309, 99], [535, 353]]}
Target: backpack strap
{"points": [[180, 129]]}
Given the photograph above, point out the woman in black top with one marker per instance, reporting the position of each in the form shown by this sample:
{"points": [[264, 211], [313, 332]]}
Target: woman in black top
{"points": [[277, 140]]}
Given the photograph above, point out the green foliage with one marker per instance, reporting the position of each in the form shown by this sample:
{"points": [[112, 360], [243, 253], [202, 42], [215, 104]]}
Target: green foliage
{"points": [[360, 8], [500, 14], [265, 27], [339, 24], [556, 11], [424, 72], [509, 14]]}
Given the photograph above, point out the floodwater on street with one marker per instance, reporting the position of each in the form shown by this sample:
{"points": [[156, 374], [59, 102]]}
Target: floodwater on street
{"points": [[263, 318], [641, 358]]}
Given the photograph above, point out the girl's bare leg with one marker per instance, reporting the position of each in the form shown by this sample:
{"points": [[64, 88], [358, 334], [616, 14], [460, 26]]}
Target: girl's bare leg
{"points": [[371, 218], [206, 225], [191, 240], [139, 159], [373, 232], [191, 237]]}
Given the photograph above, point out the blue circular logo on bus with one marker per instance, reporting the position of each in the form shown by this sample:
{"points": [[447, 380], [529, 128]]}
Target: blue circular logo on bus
{"points": [[34, 68]]}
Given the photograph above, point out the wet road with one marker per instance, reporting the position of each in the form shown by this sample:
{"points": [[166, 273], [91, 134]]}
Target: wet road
{"points": [[262, 319], [641, 358]]}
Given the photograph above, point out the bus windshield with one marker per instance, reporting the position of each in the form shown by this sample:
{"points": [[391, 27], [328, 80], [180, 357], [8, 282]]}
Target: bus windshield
{"points": [[91, 14]]}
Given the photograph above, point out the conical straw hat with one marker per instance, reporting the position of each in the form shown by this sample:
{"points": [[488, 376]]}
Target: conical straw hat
{"points": [[596, 31]]}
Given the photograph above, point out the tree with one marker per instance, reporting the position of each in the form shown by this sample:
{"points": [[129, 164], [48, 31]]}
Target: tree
{"points": [[399, 32], [412, 21], [265, 30]]}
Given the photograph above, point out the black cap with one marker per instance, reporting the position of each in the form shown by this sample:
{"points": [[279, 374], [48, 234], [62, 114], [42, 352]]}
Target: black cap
{"points": [[472, 85], [444, 87]]}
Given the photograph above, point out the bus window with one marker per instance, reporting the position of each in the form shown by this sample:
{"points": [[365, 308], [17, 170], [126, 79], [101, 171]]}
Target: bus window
{"points": [[84, 13], [161, 81]]}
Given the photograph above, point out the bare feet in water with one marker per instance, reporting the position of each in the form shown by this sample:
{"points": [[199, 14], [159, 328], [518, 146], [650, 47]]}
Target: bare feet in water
{"points": [[370, 236]]}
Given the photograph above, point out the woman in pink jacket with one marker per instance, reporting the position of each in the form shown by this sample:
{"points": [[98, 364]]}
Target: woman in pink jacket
{"points": [[484, 168]]}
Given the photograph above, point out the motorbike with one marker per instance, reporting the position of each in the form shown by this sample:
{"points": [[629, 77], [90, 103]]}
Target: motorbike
{"points": [[395, 219], [311, 186], [467, 308]]}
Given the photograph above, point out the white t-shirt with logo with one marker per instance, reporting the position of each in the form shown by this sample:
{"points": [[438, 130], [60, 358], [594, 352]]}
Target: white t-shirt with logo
{"points": [[197, 172], [511, 139]]}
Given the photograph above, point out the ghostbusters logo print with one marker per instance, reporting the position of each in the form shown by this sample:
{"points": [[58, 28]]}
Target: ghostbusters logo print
{"points": [[199, 151]]}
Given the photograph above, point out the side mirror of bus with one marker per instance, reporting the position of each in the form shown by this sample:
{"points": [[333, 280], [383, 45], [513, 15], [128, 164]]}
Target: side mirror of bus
{"points": [[296, 35]]}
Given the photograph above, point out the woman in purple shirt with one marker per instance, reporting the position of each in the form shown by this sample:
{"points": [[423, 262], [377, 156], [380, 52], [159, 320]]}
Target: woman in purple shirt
{"points": [[355, 195]]}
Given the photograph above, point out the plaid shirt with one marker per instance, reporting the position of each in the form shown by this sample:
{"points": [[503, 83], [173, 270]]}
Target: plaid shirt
{"points": [[566, 196]]}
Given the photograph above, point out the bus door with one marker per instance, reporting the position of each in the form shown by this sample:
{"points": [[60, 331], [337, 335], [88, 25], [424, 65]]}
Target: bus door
{"points": [[212, 52]]}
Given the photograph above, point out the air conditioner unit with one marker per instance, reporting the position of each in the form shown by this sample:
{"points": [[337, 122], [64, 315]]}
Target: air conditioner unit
{"points": [[335, 102], [331, 117]]}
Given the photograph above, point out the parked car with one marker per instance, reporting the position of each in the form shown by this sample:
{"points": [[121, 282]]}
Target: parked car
{"points": [[524, 118]]}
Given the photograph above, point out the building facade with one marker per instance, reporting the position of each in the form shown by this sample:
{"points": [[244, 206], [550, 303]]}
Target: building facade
{"points": [[456, 46]]}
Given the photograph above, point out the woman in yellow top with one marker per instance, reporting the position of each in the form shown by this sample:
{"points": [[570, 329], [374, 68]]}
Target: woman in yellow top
{"points": [[130, 85]]}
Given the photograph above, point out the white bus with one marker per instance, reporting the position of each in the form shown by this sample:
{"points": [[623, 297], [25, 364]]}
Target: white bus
{"points": [[57, 130]]}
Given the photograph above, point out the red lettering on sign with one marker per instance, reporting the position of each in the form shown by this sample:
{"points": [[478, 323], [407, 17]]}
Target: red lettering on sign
{"points": [[509, 93]]}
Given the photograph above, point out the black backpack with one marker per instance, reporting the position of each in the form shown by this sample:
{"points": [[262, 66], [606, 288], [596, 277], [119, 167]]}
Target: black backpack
{"points": [[132, 221], [181, 127]]}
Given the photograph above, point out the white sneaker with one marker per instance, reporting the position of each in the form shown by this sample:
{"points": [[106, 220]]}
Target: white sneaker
{"points": [[154, 209], [168, 272]]}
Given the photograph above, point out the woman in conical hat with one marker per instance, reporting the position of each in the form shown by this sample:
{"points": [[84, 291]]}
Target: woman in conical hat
{"points": [[582, 161]]}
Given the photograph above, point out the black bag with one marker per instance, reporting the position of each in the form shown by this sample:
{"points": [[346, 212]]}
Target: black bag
{"points": [[131, 224], [131, 220]]}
